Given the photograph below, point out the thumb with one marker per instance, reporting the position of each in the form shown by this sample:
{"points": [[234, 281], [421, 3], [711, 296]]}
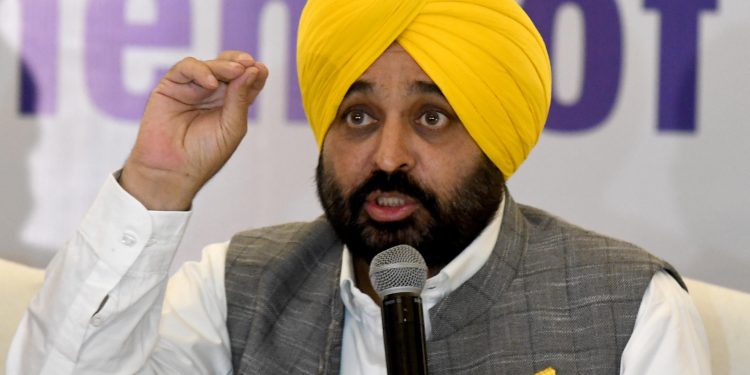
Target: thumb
{"points": [[241, 93]]}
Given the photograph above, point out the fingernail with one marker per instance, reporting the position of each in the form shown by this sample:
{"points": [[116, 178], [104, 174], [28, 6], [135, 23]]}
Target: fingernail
{"points": [[236, 66], [212, 81], [246, 59]]}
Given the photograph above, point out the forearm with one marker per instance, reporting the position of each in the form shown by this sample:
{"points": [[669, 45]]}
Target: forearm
{"points": [[121, 252], [99, 308]]}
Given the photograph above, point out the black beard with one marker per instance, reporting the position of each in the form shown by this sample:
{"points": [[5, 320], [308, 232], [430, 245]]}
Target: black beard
{"points": [[440, 232]]}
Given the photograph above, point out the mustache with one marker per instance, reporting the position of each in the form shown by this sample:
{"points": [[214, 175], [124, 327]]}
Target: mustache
{"points": [[398, 181]]}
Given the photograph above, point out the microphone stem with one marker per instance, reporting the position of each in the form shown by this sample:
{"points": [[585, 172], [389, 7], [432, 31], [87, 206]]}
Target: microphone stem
{"points": [[403, 334]]}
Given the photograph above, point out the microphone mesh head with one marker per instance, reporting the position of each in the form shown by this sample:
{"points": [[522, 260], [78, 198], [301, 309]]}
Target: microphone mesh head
{"points": [[400, 269]]}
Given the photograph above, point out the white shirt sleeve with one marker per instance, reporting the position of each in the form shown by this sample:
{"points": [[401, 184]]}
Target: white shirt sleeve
{"points": [[668, 337], [193, 331], [100, 306]]}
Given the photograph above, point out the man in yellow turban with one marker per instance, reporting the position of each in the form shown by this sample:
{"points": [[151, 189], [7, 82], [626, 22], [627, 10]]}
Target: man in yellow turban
{"points": [[475, 74], [422, 110]]}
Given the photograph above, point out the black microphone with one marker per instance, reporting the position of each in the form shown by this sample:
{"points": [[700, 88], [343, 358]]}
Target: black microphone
{"points": [[398, 276]]}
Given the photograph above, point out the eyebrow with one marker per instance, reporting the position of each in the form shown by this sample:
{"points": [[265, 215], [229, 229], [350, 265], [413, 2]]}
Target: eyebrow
{"points": [[359, 86], [424, 87], [418, 87]]}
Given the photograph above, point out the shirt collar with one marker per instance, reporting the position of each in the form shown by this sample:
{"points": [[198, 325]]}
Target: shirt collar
{"points": [[450, 278]]}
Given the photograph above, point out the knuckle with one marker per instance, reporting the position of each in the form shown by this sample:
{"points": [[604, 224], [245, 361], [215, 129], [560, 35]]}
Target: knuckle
{"points": [[188, 60], [229, 54]]}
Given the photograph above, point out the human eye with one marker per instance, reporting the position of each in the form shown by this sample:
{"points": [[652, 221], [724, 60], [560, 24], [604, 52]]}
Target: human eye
{"points": [[433, 119], [358, 118]]}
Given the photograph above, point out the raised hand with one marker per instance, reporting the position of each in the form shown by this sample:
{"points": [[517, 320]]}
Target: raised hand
{"points": [[194, 120]]}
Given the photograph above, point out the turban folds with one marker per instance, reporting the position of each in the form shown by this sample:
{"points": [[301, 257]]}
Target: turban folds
{"points": [[486, 56]]}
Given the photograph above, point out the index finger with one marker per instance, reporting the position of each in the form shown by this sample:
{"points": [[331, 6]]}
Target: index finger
{"points": [[189, 70], [241, 57]]}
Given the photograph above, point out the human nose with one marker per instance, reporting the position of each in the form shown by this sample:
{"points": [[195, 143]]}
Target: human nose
{"points": [[394, 150]]}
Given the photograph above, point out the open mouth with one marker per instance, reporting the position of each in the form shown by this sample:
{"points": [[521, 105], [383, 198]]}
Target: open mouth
{"points": [[389, 206]]}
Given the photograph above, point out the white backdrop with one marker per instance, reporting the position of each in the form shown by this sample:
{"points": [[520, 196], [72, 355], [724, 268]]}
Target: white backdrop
{"points": [[627, 153]]}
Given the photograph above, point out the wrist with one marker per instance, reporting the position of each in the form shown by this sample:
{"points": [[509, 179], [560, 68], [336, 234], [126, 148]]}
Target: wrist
{"points": [[158, 190]]}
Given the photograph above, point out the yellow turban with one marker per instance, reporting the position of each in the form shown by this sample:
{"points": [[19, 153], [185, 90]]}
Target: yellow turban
{"points": [[485, 55]]}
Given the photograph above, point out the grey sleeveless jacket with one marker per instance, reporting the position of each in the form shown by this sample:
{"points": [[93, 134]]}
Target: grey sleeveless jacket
{"points": [[550, 295]]}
